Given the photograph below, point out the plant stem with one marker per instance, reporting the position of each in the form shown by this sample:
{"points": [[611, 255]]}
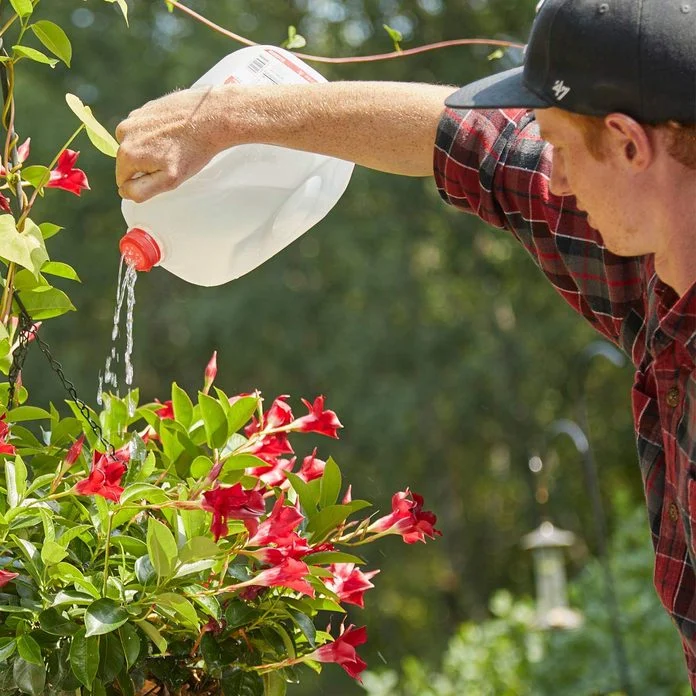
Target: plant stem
{"points": [[8, 24], [107, 549]]}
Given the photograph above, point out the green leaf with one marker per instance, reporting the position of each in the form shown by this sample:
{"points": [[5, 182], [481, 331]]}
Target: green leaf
{"points": [[29, 649], [111, 661], [273, 682], [308, 494], [143, 491], [294, 39], [49, 229], [100, 137], [7, 647], [22, 7], [33, 54], [27, 413], [183, 408], [198, 547], [240, 412], [238, 462], [238, 614], [36, 175], [306, 625], [54, 39], [84, 657], [30, 678], [46, 302], [330, 486], [195, 567], [325, 557], [237, 682], [130, 642], [496, 55], [52, 553], [330, 517], [154, 635], [214, 420], [180, 605], [26, 249], [104, 616], [395, 36], [53, 622], [123, 7], [161, 548], [16, 480], [60, 269], [201, 466]]}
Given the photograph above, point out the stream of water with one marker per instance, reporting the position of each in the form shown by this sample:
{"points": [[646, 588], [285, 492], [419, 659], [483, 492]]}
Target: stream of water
{"points": [[125, 292]]}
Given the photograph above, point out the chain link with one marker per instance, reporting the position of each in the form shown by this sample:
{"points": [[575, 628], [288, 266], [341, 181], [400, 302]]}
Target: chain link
{"points": [[26, 330]]}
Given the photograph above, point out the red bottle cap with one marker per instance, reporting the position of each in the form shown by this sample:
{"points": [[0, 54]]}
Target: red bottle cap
{"points": [[139, 249]]}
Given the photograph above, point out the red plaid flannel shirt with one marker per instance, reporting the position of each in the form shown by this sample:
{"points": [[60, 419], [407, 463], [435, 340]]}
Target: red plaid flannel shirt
{"points": [[494, 164]]}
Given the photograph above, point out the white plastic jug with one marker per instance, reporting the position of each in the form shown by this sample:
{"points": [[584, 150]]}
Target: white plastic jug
{"points": [[247, 203]]}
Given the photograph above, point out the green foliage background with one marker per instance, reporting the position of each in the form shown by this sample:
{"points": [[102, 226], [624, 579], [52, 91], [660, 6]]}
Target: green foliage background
{"points": [[434, 338]]}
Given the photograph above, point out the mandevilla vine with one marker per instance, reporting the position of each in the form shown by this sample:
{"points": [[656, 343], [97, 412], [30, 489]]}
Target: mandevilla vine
{"points": [[184, 548]]}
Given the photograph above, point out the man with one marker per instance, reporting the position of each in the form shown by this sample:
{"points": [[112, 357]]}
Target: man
{"points": [[598, 182]]}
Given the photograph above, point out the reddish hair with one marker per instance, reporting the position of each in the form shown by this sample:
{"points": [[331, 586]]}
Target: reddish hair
{"points": [[680, 139]]}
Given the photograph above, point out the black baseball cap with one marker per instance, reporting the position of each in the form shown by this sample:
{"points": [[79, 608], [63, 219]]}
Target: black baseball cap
{"points": [[596, 57]]}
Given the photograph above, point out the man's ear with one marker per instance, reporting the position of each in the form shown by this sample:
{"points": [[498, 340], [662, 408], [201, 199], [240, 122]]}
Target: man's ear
{"points": [[629, 140]]}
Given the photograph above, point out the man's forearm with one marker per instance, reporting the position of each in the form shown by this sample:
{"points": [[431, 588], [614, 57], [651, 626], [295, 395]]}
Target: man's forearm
{"points": [[388, 126]]}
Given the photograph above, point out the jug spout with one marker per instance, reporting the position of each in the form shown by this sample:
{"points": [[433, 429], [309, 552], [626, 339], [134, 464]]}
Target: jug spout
{"points": [[139, 249]]}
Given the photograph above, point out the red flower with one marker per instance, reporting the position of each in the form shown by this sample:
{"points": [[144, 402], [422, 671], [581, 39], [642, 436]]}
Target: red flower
{"points": [[282, 521], [271, 447], [290, 573], [5, 447], [293, 546], [408, 519], [74, 452], [166, 410], [278, 415], [232, 502], [317, 420], [105, 476], [23, 150], [209, 373], [274, 474], [342, 651], [5, 203], [6, 576], [312, 468], [66, 176], [350, 583]]}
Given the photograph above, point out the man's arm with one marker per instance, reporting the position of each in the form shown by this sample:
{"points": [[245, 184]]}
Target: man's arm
{"points": [[388, 126]]}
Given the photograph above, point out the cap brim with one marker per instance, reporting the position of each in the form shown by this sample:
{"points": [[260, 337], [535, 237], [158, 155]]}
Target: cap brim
{"points": [[501, 91]]}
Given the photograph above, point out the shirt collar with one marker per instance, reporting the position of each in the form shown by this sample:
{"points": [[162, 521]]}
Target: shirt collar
{"points": [[670, 317]]}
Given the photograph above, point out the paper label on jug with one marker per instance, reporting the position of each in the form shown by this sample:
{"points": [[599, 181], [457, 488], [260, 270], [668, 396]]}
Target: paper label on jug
{"points": [[271, 67]]}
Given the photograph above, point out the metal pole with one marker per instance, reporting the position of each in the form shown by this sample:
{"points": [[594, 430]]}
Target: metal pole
{"points": [[582, 444]]}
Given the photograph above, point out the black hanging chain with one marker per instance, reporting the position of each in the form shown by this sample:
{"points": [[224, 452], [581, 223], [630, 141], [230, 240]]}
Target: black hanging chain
{"points": [[26, 331]]}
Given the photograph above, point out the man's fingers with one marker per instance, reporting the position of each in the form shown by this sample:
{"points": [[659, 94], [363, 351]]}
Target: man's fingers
{"points": [[143, 187], [128, 165]]}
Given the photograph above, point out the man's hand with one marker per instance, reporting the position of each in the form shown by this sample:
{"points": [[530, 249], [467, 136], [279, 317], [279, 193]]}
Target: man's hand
{"points": [[165, 142]]}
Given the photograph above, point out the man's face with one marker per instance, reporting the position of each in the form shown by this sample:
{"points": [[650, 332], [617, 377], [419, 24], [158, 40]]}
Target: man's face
{"points": [[601, 188]]}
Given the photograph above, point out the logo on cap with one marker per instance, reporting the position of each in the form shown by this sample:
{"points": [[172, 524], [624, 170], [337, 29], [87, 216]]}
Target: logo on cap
{"points": [[560, 90]]}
